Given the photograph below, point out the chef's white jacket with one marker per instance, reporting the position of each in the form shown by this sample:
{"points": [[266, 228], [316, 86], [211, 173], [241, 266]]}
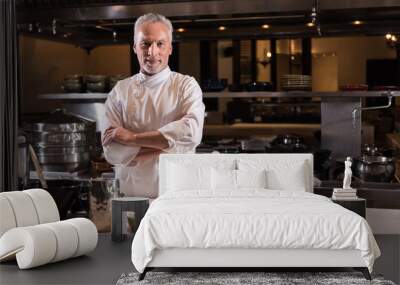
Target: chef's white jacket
{"points": [[168, 102]]}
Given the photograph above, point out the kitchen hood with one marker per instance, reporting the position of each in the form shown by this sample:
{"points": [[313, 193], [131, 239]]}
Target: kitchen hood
{"points": [[91, 23]]}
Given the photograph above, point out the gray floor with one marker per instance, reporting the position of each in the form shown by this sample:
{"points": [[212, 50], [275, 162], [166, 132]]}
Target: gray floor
{"points": [[389, 263], [103, 266], [111, 259]]}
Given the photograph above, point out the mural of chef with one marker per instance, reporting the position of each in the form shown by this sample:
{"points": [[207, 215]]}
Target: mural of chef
{"points": [[155, 111]]}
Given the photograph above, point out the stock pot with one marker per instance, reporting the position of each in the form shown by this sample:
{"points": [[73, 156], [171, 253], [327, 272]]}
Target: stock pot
{"points": [[63, 141], [374, 168]]}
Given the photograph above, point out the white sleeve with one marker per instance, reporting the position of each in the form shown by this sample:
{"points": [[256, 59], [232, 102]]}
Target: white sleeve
{"points": [[185, 134], [115, 153]]}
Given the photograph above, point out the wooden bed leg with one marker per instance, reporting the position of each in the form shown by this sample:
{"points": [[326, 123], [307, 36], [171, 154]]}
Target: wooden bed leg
{"points": [[364, 271], [142, 275]]}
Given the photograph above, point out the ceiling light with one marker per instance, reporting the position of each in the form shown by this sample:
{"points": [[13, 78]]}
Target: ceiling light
{"points": [[310, 24], [392, 40], [357, 22], [181, 30], [38, 28], [54, 26], [269, 54], [222, 28], [265, 26]]}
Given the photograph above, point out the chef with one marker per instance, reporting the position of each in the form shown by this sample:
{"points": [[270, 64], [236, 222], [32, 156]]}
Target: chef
{"points": [[155, 111]]}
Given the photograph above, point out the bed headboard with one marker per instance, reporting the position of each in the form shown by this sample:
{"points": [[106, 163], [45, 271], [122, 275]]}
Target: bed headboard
{"points": [[233, 161]]}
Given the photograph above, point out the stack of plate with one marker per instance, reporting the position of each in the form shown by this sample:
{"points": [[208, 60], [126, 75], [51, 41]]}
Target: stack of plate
{"points": [[295, 82], [353, 87]]}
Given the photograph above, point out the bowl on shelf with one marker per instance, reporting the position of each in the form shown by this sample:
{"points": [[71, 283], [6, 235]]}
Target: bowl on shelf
{"points": [[74, 77], [97, 87], [72, 87], [213, 85], [95, 78], [386, 88], [353, 87], [259, 86], [296, 82], [73, 83], [236, 87]]}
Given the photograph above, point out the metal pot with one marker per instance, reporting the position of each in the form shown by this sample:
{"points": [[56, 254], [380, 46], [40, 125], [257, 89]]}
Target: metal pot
{"points": [[374, 168], [253, 145], [62, 141], [288, 139], [372, 150], [288, 143]]}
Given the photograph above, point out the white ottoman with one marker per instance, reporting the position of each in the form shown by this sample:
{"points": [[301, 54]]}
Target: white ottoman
{"points": [[31, 230]]}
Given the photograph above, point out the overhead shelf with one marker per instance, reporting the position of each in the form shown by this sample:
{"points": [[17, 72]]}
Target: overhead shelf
{"points": [[74, 96], [300, 94], [225, 94]]}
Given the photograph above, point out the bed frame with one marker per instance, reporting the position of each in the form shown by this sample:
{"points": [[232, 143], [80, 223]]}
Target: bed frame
{"points": [[242, 259], [250, 258]]}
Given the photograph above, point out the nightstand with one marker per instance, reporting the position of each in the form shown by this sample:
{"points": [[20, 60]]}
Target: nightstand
{"points": [[357, 205], [119, 206]]}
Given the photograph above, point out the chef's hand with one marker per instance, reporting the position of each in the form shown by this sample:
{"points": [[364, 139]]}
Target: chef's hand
{"points": [[118, 134]]}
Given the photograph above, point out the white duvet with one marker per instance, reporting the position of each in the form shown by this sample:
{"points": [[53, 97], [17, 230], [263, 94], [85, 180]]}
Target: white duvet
{"points": [[252, 218]]}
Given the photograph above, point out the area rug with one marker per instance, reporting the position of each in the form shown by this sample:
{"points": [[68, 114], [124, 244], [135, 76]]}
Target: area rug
{"points": [[244, 278]]}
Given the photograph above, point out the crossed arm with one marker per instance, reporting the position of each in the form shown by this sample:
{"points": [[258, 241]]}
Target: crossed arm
{"points": [[181, 135], [152, 143]]}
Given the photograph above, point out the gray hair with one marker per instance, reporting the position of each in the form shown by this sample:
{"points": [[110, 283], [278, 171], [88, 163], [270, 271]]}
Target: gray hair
{"points": [[153, 18]]}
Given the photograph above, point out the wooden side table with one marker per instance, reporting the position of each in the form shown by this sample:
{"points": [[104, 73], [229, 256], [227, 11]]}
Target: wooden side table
{"points": [[357, 205], [138, 205]]}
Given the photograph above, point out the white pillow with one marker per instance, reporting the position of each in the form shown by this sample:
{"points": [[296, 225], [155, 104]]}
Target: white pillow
{"points": [[227, 179], [291, 178], [223, 179], [289, 175], [184, 177], [251, 178]]}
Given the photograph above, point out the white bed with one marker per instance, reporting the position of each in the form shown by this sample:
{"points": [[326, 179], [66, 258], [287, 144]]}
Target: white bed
{"points": [[247, 210]]}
